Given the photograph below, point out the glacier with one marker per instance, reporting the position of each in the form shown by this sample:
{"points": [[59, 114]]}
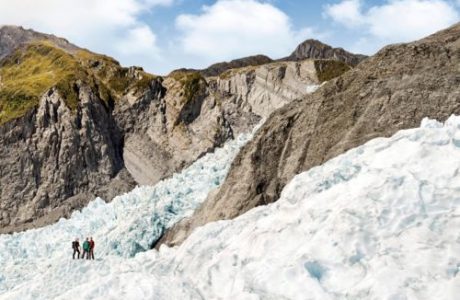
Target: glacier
{"points": [[380, 221], [127, 225]]}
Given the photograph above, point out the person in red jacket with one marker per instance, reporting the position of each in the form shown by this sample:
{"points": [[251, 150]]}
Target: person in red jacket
{"points": [[91, 248]]}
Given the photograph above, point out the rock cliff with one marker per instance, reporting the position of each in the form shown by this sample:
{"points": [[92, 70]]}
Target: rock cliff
{"points": [[392, 90]]}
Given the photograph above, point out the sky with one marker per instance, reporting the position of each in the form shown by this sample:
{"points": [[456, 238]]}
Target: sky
{"points": [[163, 35]]}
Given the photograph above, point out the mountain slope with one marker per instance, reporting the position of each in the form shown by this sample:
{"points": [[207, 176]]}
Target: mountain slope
{"points": [[390, 91]]}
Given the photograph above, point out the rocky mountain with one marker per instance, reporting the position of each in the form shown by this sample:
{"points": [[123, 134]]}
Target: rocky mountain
{"points": [[392, 90], [75, 125], [219, 68], [309, 49], [11, 37], [317, 50]]}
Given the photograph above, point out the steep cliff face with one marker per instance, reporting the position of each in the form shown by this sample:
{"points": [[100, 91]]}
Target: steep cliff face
{"points": [[198, 114], [271, 86], [163, 136], [75, 125], [54, 159], [390, 91]]}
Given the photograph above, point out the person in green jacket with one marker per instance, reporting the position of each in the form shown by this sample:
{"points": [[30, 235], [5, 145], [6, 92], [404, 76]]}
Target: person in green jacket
{"points": [[86, 249]]}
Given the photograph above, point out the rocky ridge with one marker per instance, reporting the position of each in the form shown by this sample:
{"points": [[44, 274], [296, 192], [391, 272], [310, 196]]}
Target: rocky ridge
{"points": [[318, 50], [12, 37], [309, 49], [392, 90], [100, 129]]}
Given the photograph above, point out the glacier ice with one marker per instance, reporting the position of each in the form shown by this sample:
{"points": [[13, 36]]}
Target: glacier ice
{"points": [[127, 225], [378, 222]]}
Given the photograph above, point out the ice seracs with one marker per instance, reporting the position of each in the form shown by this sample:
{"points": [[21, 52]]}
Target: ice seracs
{"points": [[127, 225]]}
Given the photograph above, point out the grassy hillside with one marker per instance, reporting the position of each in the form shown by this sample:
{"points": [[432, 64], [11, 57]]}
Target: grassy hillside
{"points": [[29, 72], [329, 69]]}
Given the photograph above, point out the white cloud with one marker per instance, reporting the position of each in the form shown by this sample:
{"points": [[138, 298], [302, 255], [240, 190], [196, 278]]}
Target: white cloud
{"points": [[393, 21], [137, 40], [235, 28], [110, 27], [347, 12], [410, 19]]}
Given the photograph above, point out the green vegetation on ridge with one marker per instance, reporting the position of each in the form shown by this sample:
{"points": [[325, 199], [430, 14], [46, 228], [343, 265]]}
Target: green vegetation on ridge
{"points": [[329, 69], [191, 83], [29, 72]]}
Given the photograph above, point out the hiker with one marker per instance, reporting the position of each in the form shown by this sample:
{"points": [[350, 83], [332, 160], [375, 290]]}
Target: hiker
{"points": [[91, 248], [76, 248], [85, 249]]}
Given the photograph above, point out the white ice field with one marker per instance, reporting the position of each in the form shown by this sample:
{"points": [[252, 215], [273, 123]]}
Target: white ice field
{"points": [[381, 221]]}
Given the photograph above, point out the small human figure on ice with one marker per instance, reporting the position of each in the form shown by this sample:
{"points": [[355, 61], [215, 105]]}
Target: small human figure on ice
{"points": [[91, 248], [76, 248], [86, 248]]}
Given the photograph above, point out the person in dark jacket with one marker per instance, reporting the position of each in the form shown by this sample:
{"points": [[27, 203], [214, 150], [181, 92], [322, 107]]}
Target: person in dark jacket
{"points": [[85, 249], [76, 248], [91, 248]]}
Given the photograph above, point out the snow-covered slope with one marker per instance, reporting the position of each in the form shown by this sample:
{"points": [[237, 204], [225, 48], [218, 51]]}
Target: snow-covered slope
{"points": [[379, 222]]}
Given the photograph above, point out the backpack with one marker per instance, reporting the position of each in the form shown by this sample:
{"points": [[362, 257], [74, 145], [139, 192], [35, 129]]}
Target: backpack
{"points": [[86, 245]]}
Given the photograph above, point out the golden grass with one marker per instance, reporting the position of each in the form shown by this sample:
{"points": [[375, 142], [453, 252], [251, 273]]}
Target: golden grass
{"points": [[191, 83], [29, 72], [329, 69]]}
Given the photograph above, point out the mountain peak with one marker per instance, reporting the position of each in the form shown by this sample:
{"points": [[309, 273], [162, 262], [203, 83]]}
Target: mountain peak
{"points": [[315, 49], [13, 37]]}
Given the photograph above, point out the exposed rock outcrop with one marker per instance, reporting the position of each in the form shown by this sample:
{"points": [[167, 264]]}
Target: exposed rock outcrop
{"points": [[393, 90], [271, 86], [53, 160]]}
